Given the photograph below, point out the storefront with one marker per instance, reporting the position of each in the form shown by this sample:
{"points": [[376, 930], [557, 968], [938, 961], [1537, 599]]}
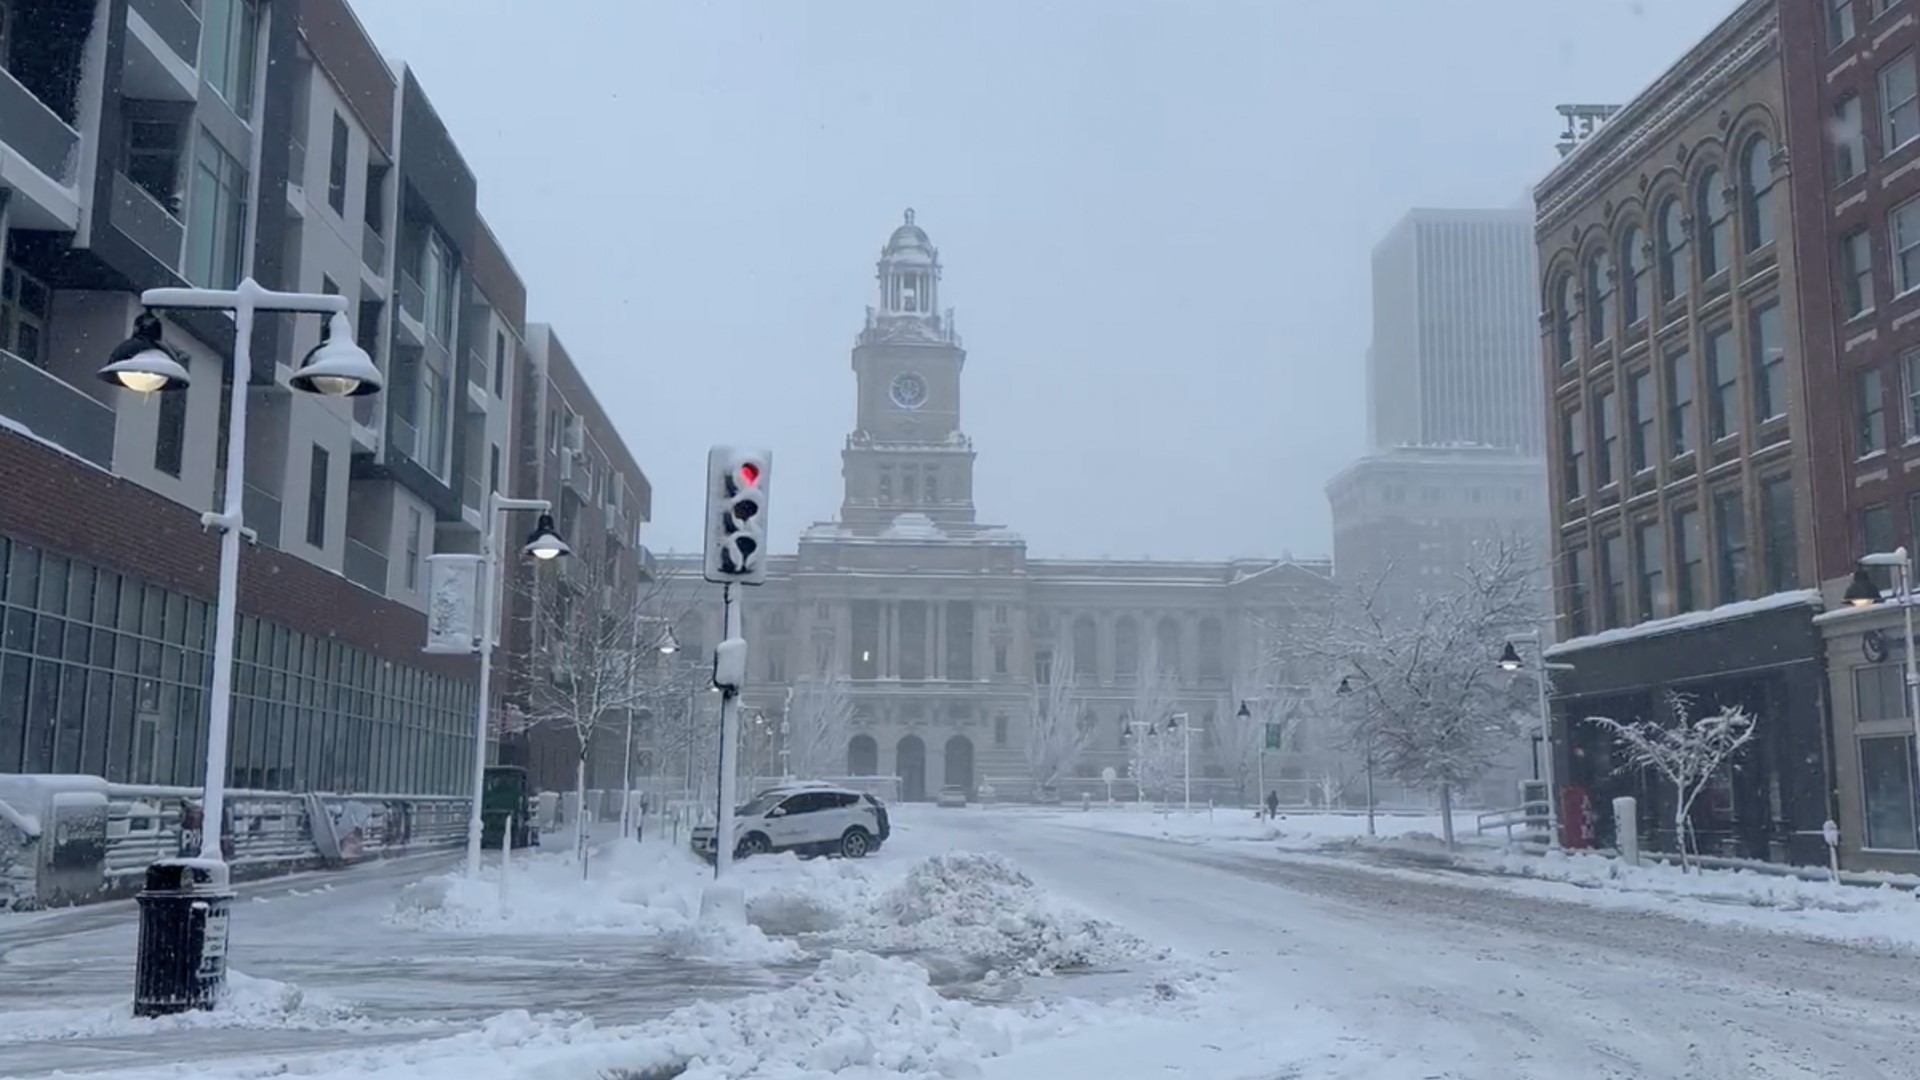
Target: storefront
{"points": [[1879, 799], [1764, 656]]}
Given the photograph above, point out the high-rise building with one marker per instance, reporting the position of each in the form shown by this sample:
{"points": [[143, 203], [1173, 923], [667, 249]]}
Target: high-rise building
{"points": [[1453, 356]]}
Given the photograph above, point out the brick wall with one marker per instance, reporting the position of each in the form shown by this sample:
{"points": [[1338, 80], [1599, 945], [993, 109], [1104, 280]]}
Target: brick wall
{"points": [[58, 503]]}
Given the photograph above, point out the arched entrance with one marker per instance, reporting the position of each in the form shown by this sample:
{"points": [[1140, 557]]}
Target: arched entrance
{"points": [[960, 763], [863, 756], [911, 767]]}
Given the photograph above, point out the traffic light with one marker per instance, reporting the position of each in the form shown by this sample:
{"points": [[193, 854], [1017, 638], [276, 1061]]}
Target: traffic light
{"points": [[737, 487]]}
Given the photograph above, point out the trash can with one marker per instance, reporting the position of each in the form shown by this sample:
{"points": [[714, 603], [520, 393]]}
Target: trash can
{"points": [[182, 962]]}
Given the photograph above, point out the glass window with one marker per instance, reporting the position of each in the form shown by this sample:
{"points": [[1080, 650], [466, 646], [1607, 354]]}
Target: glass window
{"points": [[1599, 298], [229, 30], [1563, 319], [1613, 580], [337, 167], [438, 284], [216, 216], [1876, 535], [1856, 272], [1869, 412], [1899, 103], [1680, 421], [1650, 566], [317, 498], [1576, 569], [1723, 372], [1675, 267], [1887, 792], [416, 527], [1905, 236], [1769, 362], [1641, 433], [1716, 224], [1730, 543], [1688, 561], [1573, 438], [1777, 526], [1637, 298], [1758, 178], [1839, 22], [1606, 437]]}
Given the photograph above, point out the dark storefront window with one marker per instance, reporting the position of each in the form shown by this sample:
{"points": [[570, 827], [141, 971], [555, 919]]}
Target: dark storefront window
{"points": [[1887, 792], [104, 675]]}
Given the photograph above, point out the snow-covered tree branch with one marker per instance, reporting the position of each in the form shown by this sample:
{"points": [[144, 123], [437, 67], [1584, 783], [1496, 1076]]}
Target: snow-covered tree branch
{"points": [[1689, 753], [1056, 731], [818, 718]]}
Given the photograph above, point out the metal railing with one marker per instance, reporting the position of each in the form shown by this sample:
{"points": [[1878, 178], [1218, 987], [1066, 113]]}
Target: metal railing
{"points": [[413, 298], [1530, 816], [405, 437], [177, 25], [366, 567], [34, 131], [478, 369], [297, 162]]}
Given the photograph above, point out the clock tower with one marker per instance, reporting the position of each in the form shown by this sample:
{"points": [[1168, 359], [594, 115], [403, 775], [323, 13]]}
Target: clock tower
{"points": [[906, 454]]}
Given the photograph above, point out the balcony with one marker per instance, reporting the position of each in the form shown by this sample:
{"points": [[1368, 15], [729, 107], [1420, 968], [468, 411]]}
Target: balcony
{"points": [[366, 424], [55, 412], [373, 251], [297, 163], [174, 24], [45, 142], [473, 500], [260, 510], [649, 566], [366, 567], [411, 326], [404, 437], [140, 216]]}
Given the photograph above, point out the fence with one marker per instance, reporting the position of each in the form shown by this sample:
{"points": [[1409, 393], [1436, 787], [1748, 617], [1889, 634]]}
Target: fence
{"points": [[79, 839]]}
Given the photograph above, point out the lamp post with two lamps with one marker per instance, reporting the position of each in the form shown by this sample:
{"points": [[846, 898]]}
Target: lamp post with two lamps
{"points": [[1863, 592], [1178, 722], [666, 645], [183, 910], [1344, 692], [1510, 661], [543, 545]]}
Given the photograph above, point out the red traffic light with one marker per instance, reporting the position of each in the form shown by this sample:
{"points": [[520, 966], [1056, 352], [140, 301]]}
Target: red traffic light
{"points": [[750, 474]]}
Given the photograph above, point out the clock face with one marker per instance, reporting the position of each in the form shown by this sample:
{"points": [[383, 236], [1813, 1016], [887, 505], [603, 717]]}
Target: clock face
{"points": [[909, 390]]}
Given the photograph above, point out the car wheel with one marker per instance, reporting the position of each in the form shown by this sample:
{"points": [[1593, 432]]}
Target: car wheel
{"points": [[856, 843], [752, 844]]}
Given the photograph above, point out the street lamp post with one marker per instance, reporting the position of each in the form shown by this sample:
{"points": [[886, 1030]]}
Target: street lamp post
{"points": [[1345, 693], [1510, 661], [164, 983], [665, 645], [1862, 592], [544, 545], [1179, 721], [1245, 716], [1137, 732]]}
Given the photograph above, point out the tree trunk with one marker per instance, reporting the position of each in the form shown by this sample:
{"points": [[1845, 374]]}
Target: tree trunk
{"points": [[581, 814], [1446, 814], [1680, 838]]}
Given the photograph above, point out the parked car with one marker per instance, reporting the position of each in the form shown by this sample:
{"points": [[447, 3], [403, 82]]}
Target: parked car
{"points": [[807, 819], [951, 795]]}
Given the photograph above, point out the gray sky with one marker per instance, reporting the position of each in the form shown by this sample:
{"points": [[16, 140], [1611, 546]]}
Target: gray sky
{"points": [[1156, 219]]}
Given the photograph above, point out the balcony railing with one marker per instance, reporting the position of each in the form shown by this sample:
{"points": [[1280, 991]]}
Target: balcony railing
{"points": [[260, 509], [478, 369], [413, 299], [472, 493], [176, 24], [297, 162], [373, 248], [34, 131], [366, 567], [404, 437], [55, 411], [140, 216]]}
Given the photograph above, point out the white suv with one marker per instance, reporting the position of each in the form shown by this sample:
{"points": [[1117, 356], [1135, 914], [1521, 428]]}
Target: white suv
{"points": [[810, 819]]}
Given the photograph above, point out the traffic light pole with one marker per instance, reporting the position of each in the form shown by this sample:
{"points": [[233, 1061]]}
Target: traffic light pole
{"points": [[729, 737]]}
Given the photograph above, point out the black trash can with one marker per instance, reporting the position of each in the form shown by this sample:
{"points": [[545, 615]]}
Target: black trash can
{"points": [[182, 963]]}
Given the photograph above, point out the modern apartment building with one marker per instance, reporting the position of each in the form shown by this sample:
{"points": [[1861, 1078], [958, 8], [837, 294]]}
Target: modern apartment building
{"points": [[1452, 356], [1853, 121], [201, 143], [1681, 440]]}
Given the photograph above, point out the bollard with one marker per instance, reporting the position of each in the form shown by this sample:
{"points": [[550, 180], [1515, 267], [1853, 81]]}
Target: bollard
{"points": [[1626, 829], [506, 861], [182, 959], [1830, 832]]}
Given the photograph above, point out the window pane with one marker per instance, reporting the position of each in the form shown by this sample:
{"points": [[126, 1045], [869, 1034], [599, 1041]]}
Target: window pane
{"points": [[1886, 787]]}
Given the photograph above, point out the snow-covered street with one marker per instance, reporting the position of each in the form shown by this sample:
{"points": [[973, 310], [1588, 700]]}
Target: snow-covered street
{"points": [[1282, 964]]}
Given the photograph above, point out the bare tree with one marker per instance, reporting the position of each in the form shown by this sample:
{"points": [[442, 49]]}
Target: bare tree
{"points": [[1426, 695], [1057, 732], [1687, 753], [1156, 755], [595, 660], [818, 718], [1274, 712]]}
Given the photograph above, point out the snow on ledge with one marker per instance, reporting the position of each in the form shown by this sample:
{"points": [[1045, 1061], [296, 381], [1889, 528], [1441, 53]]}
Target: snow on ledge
{"points": [[8, 423], [1692, 620]]}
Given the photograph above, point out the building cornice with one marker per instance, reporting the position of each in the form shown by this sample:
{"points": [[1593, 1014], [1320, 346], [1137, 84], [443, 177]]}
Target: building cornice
{"points": [[1685, 90]]}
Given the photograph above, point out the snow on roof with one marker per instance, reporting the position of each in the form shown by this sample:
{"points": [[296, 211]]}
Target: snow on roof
{"points": [[8, 423], [913, 526], [1692, 620]]}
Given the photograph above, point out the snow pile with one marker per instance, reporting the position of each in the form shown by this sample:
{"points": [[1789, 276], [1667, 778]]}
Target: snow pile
{"points": [[859, 1015], [1300, 830], [646, 890], [979, 906], [247, 1002]]}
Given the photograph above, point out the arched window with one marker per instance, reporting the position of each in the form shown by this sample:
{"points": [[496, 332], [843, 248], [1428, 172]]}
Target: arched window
{"points": [[1637, 297], [1758, 172], [1563, 319], [1716, 223], [1126, 646], [1213, 649], [1166, 643], [1676, 270], [1599, 297]]}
